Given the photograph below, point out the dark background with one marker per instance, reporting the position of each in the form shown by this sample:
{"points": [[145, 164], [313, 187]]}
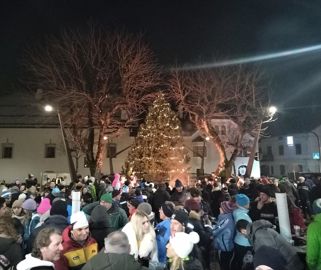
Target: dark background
{"points": [[189, 33]]}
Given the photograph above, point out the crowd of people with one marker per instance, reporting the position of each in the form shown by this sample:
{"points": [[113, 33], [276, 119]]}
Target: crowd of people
{"points": [[125, 223]]}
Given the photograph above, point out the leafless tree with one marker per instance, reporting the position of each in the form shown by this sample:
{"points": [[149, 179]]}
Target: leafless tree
{"points": [[100, 81], [233, 93]]}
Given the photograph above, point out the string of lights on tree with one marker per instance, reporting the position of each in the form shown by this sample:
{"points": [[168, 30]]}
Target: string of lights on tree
{"points": [[158, 150]]}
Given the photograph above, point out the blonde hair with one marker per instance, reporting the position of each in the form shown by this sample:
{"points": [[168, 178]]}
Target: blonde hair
{"points": [[137, 220], [177, 263]]}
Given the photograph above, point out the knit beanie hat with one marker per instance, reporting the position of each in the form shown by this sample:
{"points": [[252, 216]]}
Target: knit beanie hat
{"points": [[78, 220], [107, 197], [55, 191], [316, 206], [192, 205], [168, 209], [44, 206], [147, 209], [227, 206], [181, 216], [242, 200], [115, 192], [29, 204], [22, 196], [134, 202], [183, 243], [59, 207], [17, 203], [263, 257]]}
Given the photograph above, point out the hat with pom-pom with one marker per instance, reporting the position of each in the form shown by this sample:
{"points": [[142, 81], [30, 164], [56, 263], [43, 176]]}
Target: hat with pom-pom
{"points": [[183, 243]]}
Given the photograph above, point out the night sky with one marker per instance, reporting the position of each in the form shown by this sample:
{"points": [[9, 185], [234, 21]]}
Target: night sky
{"points": [[189, 33]]}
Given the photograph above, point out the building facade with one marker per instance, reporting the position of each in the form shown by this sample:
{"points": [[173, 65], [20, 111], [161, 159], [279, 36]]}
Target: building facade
{"points": [[291, 153]]}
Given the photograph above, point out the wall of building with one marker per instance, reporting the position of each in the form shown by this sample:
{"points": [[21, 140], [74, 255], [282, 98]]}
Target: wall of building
{"points": [[291, 159]]}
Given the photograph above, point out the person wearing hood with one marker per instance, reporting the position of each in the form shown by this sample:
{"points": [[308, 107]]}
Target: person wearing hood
{"points": [[78, 246], [10, 249], [313, 257], [261, 233], [47, 249], [116, 184], [179, 194], [117, 216], [99, 225]]}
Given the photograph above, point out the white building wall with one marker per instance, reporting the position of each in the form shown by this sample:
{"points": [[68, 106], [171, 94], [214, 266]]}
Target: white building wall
{"points": [[292, 161]]}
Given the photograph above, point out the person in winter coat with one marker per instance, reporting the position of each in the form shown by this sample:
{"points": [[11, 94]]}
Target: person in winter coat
{"points": [[261, 233], [179, 251], [142, 238], [179, 194], [241, 243], [160, 197], [223, 234], [57, 219], [117, 216], [163, 230], [9, 247], [78, 246], [99, 225], [47, 249], [313, 256], [115, 255]]}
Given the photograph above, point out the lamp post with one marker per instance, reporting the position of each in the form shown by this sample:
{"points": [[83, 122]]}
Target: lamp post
{"points": [[319, 149], [72, 170], [271, 111]]}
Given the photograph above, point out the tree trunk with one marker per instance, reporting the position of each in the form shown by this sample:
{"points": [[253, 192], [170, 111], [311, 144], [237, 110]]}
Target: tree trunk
{"points": [[100, 151]]}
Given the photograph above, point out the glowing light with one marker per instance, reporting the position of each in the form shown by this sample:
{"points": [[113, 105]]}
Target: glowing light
{"points": [[258, 58], [48, 108], [272, 110]]}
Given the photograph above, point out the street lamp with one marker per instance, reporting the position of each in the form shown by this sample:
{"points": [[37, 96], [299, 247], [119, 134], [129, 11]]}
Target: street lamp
{"points": [[270, 113], [72, 170]]}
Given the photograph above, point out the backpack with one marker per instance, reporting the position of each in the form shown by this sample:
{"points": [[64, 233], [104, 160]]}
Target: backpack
{"points": [[223, 233]]}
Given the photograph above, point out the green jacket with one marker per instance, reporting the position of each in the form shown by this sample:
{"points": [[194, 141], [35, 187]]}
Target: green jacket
{"points": [[112, 261], [116, 216], [313, 257]]}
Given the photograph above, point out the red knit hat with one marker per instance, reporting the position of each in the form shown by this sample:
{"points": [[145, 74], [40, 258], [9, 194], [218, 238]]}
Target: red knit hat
{"points": [[192, 205]]}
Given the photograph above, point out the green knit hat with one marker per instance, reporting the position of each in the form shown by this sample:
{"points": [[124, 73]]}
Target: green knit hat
{"points": [[106, 198]]}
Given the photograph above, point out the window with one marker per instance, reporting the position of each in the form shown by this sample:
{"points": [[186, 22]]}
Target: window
{"points": [[7, 150], [111, 150], [198, 151], [50, 151], [300, 168], [272, 170], [289, 140], [282, 170], [281, 150], [298, 149], [217, 129]]}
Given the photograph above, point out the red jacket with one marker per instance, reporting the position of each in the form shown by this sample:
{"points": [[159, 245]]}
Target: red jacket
{"points": [[74, 255]]}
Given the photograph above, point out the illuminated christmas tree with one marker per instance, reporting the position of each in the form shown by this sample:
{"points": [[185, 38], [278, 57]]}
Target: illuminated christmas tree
{"points": [[158, 152]]}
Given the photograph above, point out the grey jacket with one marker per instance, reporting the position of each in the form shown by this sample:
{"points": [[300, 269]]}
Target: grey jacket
{"points": [[261, 233]]}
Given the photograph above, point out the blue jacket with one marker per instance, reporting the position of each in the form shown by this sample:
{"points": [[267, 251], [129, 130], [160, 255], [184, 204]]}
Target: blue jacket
{"points": [[224, 232], [238, 214], [163, 233]]}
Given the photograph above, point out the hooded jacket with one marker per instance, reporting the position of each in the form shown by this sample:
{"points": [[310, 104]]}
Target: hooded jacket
{"points": [[116, 215], [261, 233], [74, 255], [112, 261], [31, 262], [238, 214], [313, 257]]}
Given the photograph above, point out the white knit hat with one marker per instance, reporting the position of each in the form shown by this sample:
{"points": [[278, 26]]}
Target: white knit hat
{"points": [[183, 243], [78, 220]]}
